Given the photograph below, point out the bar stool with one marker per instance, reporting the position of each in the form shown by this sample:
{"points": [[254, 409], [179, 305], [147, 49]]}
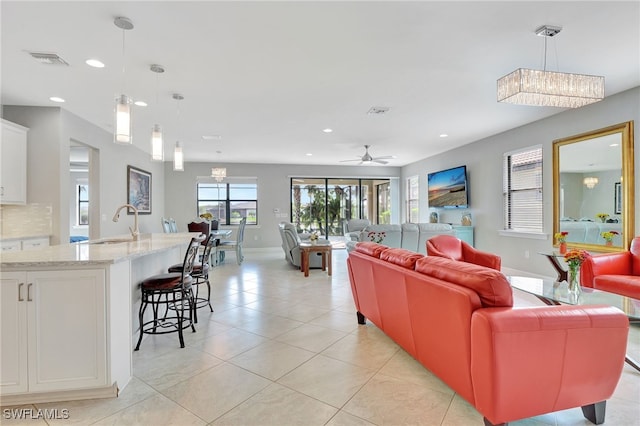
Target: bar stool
{"points": [[200, 273], [173, 290]]}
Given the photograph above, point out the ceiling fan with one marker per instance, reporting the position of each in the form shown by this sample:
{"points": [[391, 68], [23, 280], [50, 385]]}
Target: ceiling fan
{"points": [[368, 159]]}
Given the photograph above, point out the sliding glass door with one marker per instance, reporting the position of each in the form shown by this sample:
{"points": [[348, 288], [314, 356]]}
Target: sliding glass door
{"points": [[323, 204]]}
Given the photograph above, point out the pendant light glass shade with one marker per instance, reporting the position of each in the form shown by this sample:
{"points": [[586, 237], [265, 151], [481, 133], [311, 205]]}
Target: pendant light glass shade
{"points": [[178, 159], [157, 144], [123, 133]]}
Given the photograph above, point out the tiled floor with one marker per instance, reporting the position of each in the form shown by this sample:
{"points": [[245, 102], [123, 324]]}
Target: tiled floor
{"points": [[281, 349]]}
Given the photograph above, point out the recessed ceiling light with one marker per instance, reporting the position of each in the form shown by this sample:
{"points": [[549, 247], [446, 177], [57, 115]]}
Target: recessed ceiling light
{"points": [[327, 130], [140, 103], [211, 137], [56, 99], [444, 135], [308, 154], [613, 144], [94, 63]]}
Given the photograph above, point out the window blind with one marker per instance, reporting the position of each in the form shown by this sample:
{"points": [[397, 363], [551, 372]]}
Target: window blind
{"points": [[522, 190]]}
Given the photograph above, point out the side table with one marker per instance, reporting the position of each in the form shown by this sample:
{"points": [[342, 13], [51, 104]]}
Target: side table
{"points": [[323, 247]]}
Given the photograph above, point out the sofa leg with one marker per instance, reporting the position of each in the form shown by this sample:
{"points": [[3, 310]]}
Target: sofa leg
{"points": [[595, 412], [361, 318], [488, 423]]}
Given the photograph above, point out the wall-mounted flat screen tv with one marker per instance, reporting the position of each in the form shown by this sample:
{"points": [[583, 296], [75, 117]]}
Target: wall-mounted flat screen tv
{"points": [[448, 188]]}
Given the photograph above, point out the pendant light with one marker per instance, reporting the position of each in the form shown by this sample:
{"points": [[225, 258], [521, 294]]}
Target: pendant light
{"points": [[157, 144], [178, 158], [123, 133]]}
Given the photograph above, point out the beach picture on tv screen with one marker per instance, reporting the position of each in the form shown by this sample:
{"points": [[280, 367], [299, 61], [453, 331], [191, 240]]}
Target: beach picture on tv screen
{"points": [[448, 188]]}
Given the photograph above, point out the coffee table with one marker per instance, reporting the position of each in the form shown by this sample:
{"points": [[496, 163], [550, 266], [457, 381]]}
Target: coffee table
{"points": [[553, 257], [557, 293], [321, 246]]}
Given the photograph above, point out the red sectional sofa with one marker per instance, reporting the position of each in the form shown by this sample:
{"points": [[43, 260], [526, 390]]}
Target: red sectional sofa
{"points": [[454, 248], [457, 319], [614, 272]]}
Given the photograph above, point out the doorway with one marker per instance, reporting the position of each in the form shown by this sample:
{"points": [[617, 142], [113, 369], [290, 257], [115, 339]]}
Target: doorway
{"points": [[83, 207]]}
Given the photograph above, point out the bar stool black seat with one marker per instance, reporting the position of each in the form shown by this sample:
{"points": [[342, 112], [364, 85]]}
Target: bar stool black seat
{"points": [[200, 273], [174, 291]]}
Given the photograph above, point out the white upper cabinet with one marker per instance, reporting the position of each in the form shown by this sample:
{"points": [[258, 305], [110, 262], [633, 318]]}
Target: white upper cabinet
{"points": [[13, 173]]}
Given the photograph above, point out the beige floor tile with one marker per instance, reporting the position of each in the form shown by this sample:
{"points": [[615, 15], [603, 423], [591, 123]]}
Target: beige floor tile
{"points": [[363, 348], [311, 337], [337, 320], [404, 367], [269, 325], [387, 400], [212, 393], [346, 419], [278, 406], [229, 343], [173, 367], [272, 359], [461, 413], [328, 380], [91, 410], [157, 410]]}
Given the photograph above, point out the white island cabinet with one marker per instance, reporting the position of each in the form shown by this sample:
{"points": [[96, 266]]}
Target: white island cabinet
{"points": [[53, 330], [68, 316]]}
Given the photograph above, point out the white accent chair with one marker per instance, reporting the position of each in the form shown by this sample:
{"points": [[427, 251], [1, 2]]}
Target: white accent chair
{"points": [[352, 227]]}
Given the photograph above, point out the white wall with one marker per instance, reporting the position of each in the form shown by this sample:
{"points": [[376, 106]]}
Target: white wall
{"points": [[273, 192], [484, 166], [51, 132]]}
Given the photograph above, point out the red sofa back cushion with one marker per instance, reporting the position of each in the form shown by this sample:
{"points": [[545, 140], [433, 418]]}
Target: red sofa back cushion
{"points": [[401, 257], [370, 248], [492, 287]]}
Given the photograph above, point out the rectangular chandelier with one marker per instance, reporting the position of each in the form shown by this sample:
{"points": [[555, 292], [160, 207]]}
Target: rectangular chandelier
{"points": [[545, 88]]}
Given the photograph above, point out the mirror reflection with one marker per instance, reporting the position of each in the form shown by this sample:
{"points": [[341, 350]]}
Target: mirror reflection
{"points": [[593, 176]]}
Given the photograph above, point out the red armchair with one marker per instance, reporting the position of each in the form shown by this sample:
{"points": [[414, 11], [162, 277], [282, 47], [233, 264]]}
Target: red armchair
{"points": [[451, 247], [614, 272]]}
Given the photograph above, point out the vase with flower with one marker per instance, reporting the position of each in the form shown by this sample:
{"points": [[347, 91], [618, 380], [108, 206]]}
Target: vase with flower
{"points": [[602, 216], [561, 238], [314, 237], [608, 237], [574, 259], [376, 237]]}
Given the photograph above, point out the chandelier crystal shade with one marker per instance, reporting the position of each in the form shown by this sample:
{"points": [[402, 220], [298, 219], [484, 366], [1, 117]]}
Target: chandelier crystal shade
{"points": [[546, 88], [219, 173], [526, 86], [590, 182], [157, 144]]}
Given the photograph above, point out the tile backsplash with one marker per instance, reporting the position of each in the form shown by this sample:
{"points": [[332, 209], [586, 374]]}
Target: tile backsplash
{"points": [[25, 221]]}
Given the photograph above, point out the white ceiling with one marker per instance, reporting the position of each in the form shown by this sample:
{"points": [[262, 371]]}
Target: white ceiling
{"points": [[268, 77]]}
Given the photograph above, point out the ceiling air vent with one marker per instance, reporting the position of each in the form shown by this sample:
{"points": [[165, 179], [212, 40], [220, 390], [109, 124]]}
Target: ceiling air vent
{"points": [[48, 58], [378, 110]]}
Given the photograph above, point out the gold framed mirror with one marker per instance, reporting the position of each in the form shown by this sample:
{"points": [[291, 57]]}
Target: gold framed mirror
{"points": [[593, 189]]}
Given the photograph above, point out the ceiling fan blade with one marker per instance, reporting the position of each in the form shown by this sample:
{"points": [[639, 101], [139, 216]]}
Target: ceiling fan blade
{"points": [[385, 157], [377, 160], [355, 159]]}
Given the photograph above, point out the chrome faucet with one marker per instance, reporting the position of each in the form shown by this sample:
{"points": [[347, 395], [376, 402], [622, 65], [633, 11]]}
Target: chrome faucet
{"points": [[135, 233]]}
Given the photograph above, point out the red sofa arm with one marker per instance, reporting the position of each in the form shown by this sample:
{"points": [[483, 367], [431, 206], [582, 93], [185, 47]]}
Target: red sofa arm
{"points": [[482, 258], [605, 264], [530, 361]]}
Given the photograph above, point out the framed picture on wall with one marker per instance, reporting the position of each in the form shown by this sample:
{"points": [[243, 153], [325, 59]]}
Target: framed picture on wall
{"points": [[139, 190], [617, 198]]}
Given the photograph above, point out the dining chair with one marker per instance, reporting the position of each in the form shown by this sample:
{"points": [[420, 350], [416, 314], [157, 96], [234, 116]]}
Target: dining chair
{"points": [[230, 245], [166, 225]]}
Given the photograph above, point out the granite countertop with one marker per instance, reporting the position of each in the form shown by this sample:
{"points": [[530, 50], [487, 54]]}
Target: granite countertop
{"points": [[95, 252]]}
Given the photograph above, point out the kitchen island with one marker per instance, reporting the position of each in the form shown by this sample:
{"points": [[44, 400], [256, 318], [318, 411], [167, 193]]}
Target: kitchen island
{"points": [[69, 313]]}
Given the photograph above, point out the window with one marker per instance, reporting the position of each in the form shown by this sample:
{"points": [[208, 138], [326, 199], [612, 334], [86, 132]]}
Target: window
{"points": [[412, 200], [229, 202], [82, 204], [522, 190]]}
